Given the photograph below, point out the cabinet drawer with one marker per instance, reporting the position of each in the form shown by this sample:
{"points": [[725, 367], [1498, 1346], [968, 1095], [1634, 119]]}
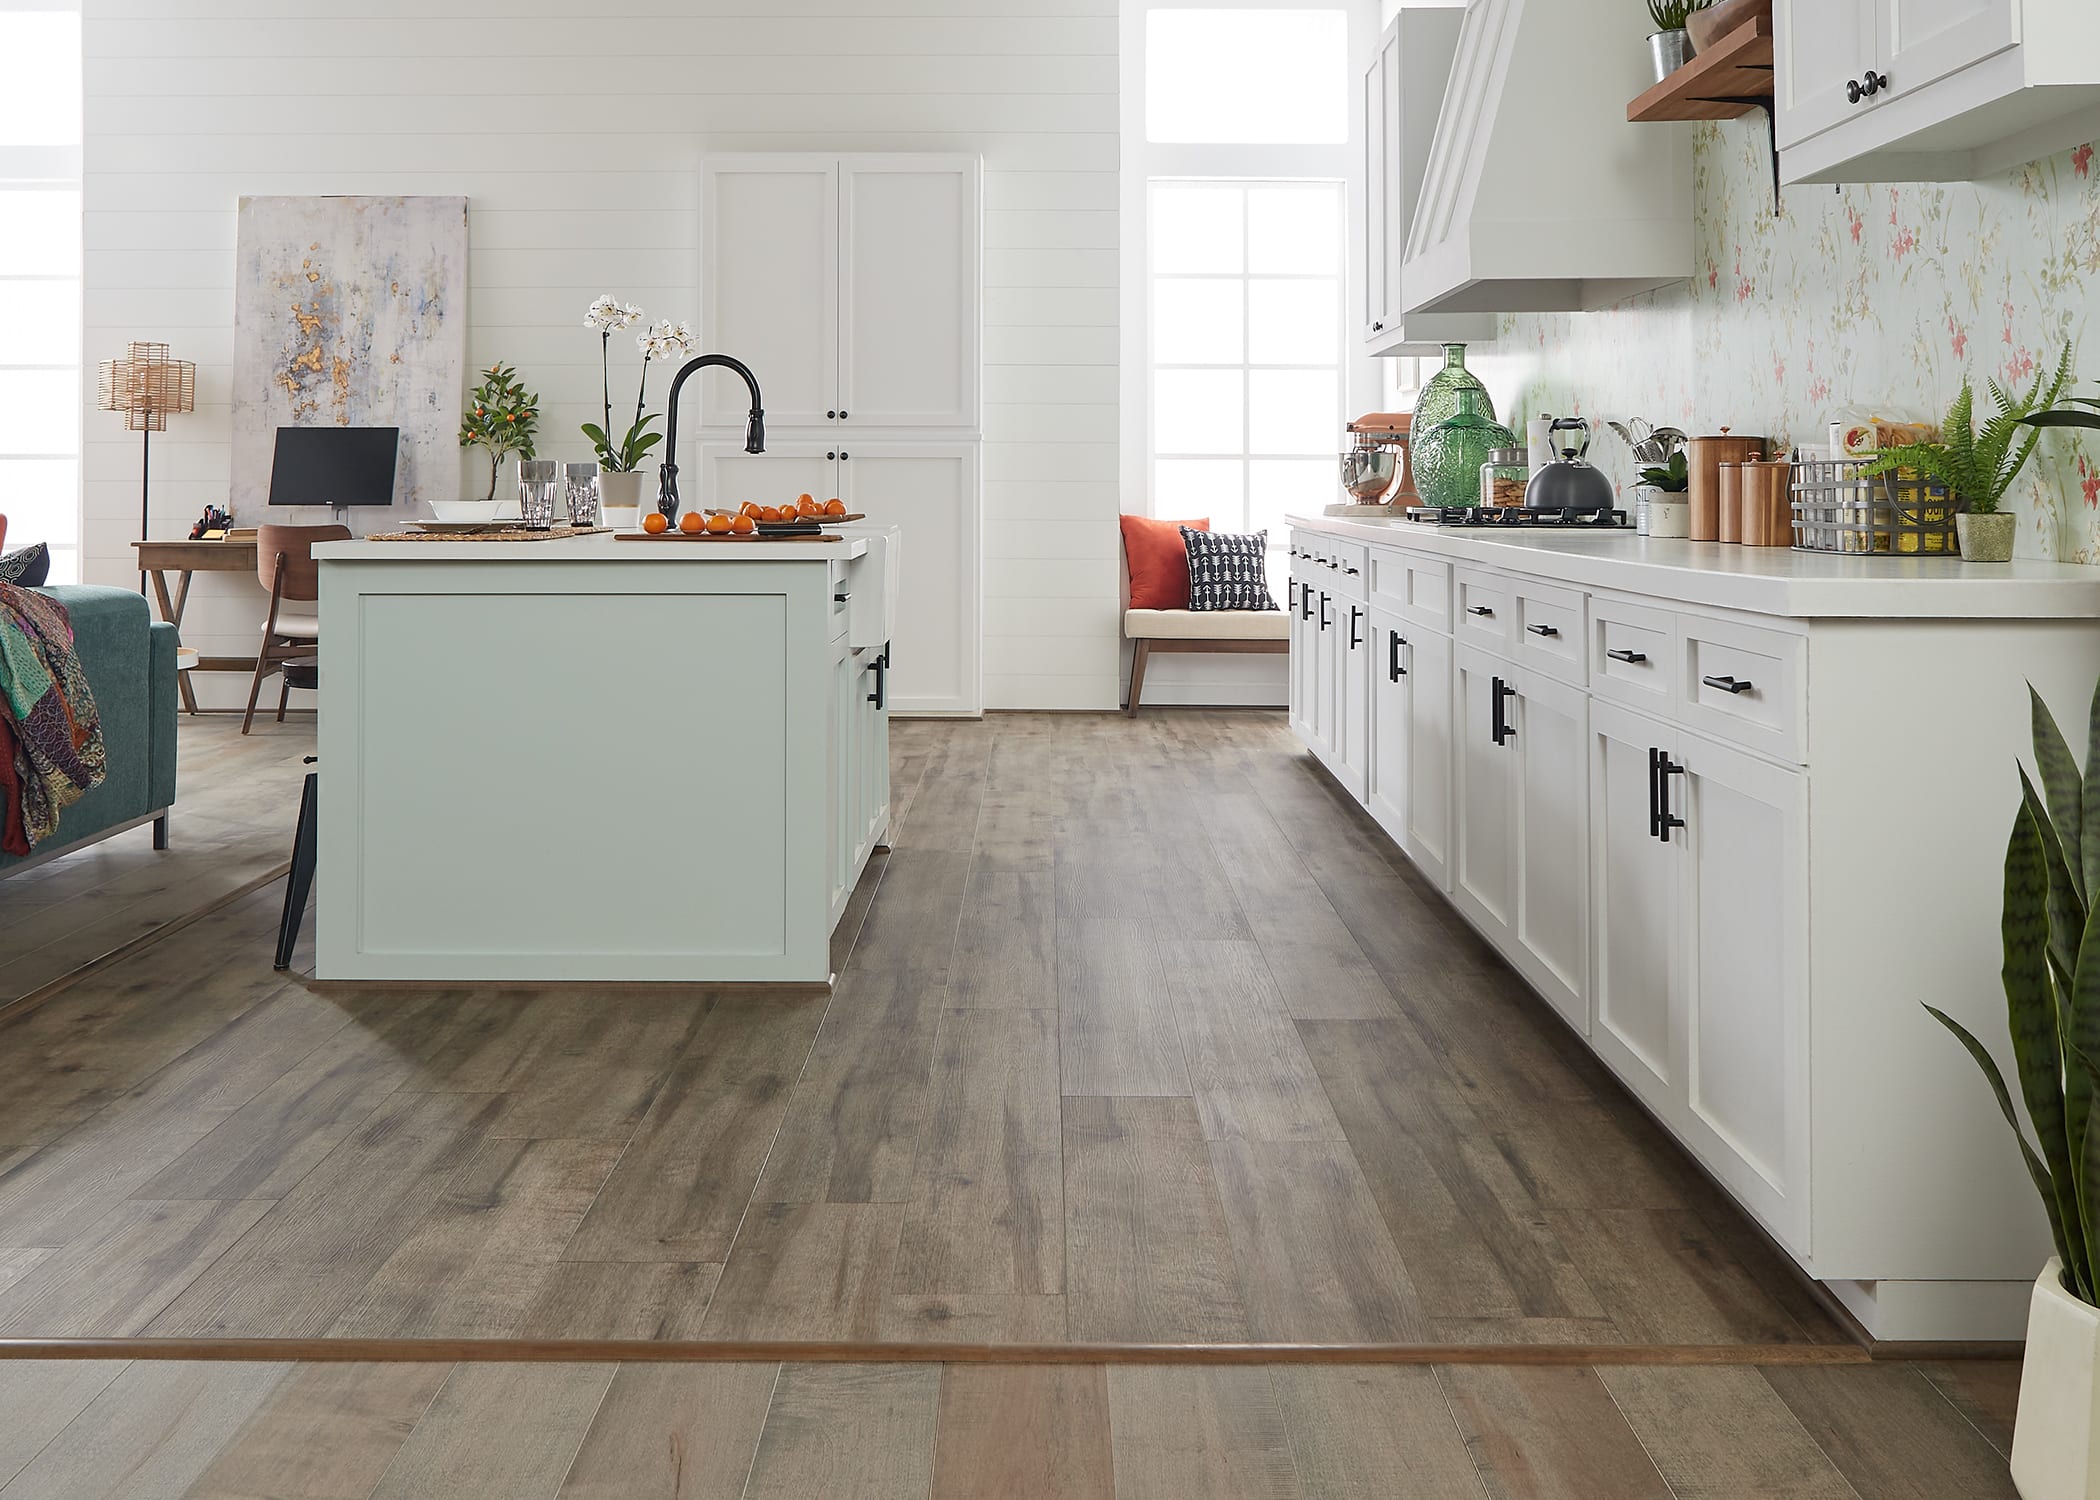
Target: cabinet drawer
{"points": [[1416, 588], [1548, 629], [1633, 655], [1341, 567], [1485, 608], [1742, 683]]}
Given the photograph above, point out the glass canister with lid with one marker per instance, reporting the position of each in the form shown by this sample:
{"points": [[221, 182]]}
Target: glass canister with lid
{"points": [[1504, 477]]}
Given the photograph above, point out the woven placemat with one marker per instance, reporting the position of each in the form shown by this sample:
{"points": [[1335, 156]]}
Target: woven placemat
{"points": [[497, 532]]}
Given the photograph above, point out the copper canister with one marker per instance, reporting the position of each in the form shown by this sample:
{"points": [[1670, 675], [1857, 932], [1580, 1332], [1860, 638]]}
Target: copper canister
{"points": [[1768, 503], [1729, 484], [1705, 455]]}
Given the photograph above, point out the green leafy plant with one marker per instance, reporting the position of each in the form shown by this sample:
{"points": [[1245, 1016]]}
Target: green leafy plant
{"points": [[2062, 416], [1978, 465], [2051, 933], [502, 417], [1669, 15], [1673, 478]]}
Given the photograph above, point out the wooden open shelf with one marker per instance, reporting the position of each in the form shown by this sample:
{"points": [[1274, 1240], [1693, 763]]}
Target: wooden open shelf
{"points": [[1729, 79]]}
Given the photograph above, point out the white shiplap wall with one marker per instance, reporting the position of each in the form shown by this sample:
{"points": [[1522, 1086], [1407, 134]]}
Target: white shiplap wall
{"points": [[576, 130]]}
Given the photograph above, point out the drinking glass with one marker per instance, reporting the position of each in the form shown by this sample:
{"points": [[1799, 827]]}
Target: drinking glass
{"points": [[583, 494], [538, 479]]}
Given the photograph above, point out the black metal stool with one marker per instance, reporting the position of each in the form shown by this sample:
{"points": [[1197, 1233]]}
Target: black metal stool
{"points": [[301, 882]]}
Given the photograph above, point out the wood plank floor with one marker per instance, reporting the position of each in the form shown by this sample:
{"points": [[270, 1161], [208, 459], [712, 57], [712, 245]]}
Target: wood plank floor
{"points": [[1142, 1034], [765, 1431]]}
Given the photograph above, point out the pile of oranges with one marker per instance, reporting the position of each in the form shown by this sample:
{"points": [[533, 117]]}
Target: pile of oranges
{"points": [[745, 521]]}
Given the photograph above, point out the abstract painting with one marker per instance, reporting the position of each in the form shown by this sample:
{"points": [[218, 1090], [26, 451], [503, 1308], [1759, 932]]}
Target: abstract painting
{"points": [[349, 311]]}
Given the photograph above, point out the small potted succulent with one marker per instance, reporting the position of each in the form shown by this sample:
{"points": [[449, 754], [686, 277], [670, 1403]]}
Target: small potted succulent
{"points": [[1660, 506], [1670, 44], [2052, 1007], [1979, 464], [620, 459], [502, 418]]}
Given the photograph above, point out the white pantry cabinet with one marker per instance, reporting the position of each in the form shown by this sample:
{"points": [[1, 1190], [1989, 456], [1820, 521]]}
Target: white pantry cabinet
{"points": [[1930, 90], [1610, 761]]}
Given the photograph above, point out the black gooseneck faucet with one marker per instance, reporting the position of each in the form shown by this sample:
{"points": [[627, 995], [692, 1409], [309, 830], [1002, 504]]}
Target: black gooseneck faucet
{"points": [[754, 427]]}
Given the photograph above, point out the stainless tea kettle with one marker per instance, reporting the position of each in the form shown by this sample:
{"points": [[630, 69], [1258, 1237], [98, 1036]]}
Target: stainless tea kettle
{"points": [[1569, 483]]}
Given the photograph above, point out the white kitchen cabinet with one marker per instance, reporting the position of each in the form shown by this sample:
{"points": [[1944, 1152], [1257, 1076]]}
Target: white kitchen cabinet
{"points": [[769, 279], [1930, 90], [1408, 780], [1352, 696], [1483, 864], [860, 780], [1551, 919], [1401, 95], [1635, 909], [1385, 789]]}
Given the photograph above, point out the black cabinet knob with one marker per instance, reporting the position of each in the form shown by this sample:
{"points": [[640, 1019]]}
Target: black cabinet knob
{"points": [[1375, 327], [844, 455], [1854, 92], [832, 456], [832, 415], [842, 414], [1873, 83]]}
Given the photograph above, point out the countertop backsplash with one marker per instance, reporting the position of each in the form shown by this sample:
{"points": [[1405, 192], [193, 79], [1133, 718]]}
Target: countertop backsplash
{"points": [[1875, 296]]}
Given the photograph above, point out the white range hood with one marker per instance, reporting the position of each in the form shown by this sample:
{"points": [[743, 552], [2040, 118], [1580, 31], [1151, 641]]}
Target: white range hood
{"points": [[1539, 195]]}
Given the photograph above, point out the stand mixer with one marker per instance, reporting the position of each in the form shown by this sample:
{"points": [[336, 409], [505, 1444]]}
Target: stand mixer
{"points": [[1378, 455]]}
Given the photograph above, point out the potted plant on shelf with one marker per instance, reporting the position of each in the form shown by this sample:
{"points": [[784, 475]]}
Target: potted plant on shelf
{"points": [[502, 417], [1669, 43], [1978, 464], [619, 461], [2052, 1003]]}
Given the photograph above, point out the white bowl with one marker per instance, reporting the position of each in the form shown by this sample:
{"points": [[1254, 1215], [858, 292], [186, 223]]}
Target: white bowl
{"points": [[475, 510]]}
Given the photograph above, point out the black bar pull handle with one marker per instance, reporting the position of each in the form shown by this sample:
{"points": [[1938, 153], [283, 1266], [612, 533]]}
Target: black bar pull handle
{"points": [[1620, 654], [1544, 630], [1355, 616], [1665, 820], [1728, 684], [1393, 670], [1304, 602], [1654, 793], [1502, 730], [1293, 588], [1324, 621], [1481, 610], [881, 696]]}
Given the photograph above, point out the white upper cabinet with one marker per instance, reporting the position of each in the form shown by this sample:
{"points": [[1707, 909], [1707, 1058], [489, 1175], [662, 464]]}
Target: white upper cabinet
{"points": [[849, 285], [1931, 90]]}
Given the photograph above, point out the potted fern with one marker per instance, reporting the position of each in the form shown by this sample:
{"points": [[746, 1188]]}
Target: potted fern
{"points": [[1978, 464], [1670, 44]]}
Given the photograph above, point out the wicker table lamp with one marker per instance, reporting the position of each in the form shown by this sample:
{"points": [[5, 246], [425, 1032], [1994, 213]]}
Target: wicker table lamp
{"points": [[146, 385]]}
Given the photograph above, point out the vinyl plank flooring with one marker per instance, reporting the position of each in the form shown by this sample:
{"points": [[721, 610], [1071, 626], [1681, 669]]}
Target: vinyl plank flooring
{"points": [[1024, 1432], [1985, 1391], [1315, 1261], [973, 1318], [912, 919], [849, 1432], [328, 1432], [1373, 1430], [1548, 1434], [674, 1432], [119, 1273], [16, 1264], [1891, 1434], [852, 1126], [40, 1398], [957, 774], [1006, 941], [1722, 1434], [299, 1269], [1118, 1032], [681, 1188], [620, 1300], [149, 1434], [807, 1271], [987, 1207], [1472, 1237], [1247, 1066], [1664, 1280], [1148, 1255], [503, 1429], [474, 1264], [1209, 1430]]}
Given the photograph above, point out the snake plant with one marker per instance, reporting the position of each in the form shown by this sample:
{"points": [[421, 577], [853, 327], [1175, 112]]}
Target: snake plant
{"points": [[2051, 933], [1669, 15]]}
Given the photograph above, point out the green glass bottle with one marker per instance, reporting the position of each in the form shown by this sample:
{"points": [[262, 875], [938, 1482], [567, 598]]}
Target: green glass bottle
{"points": [[1439, 399], [1448, 458]]}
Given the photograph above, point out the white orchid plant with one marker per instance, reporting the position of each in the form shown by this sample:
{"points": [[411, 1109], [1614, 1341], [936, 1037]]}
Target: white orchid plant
{"points": [[659, 341]]}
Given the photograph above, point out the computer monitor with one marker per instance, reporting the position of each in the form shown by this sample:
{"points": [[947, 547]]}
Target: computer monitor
{"points": [[334, 466]]}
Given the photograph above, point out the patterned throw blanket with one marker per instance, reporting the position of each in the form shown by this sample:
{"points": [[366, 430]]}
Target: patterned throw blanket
{"points": [[50, 735]]}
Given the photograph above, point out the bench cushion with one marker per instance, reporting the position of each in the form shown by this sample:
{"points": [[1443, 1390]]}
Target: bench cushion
{"points": [[1206, 625]]}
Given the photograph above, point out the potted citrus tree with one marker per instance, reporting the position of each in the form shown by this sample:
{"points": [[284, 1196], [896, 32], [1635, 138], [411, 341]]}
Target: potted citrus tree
{"points": [[1977, 465], [2051, 930], [501, 418]]}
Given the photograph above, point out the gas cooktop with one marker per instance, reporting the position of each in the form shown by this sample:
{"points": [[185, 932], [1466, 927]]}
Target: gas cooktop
{"points": [[1517, 515]]}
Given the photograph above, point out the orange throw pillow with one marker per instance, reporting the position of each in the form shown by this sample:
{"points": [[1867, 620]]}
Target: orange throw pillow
{"points": [[1159, 561]]}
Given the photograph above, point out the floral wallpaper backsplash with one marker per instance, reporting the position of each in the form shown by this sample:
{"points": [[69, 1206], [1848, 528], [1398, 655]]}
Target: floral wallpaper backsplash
{"points": [[1870, 297]]}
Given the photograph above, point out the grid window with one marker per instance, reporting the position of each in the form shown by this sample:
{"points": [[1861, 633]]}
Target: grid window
{"points": [[1246, 349]]}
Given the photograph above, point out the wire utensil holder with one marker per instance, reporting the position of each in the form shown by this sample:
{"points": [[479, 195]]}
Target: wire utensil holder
{"points": [[1838, 507]]}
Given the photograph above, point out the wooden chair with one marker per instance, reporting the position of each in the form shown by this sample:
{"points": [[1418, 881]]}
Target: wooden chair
{"points": [[284, 560]]}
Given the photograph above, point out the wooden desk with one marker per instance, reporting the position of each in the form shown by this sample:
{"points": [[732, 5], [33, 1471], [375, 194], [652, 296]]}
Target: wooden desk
{"points": [[186, 558]]}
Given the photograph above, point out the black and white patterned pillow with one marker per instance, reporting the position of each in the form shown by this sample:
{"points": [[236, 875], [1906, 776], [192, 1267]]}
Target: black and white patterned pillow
{"points": [[28, 567], [1227, 571]]}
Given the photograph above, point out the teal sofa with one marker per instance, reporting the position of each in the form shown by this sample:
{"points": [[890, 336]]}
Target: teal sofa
{"points": [[130, 662]]}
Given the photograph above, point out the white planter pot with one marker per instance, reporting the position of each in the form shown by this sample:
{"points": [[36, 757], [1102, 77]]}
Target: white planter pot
{"points": [[475, 510], [2053, 1455], [620, 499], [1986, 538]]}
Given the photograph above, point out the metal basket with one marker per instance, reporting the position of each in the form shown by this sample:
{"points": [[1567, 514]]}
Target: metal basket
{"points": [[1837, 508]]}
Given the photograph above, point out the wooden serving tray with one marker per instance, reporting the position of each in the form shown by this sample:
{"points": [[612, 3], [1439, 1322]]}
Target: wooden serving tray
{"points": [[675, 535]]}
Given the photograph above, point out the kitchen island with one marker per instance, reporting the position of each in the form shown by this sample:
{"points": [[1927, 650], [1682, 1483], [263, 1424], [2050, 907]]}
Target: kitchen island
{"points": [[1737, 814], [598, 759]]}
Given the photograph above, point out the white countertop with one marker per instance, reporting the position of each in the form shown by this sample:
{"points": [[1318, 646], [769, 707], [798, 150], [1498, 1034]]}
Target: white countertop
{"points": [[1763, 580], [602, 548]]}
